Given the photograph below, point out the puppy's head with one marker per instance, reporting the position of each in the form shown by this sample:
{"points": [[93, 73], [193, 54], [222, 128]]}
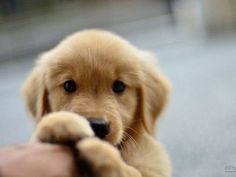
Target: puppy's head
{"points": [[98, 75]]}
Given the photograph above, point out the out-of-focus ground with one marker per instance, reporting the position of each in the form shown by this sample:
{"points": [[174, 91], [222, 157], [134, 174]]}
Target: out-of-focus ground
{"points": [[199, 125]]}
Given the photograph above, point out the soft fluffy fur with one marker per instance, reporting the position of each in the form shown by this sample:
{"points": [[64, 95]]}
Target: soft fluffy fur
{"points": [[94, 59]]}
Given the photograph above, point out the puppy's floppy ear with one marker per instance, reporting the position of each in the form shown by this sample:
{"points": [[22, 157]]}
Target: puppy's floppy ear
{"points": [[154, 91], [35, 93]]}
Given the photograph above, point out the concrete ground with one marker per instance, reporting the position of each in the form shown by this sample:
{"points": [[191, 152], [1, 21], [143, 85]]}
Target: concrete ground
{"points": [[199, 125]]}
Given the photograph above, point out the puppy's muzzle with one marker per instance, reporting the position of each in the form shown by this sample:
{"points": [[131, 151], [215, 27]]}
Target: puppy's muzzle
{"points": [[100, 127]]}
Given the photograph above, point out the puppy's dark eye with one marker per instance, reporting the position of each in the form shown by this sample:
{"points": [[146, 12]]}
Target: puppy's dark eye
{"points": [[118, 87], [70, 86]]}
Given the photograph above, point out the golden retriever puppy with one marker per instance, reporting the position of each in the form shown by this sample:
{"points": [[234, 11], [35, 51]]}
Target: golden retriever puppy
{"points": [[96, 84]]}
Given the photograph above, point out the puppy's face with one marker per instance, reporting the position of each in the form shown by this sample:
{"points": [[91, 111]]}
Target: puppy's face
{"points": [[96, 82], [98, 75]]}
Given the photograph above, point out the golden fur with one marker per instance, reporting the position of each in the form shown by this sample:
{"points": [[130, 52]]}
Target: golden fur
{"points": [[94, 59]]}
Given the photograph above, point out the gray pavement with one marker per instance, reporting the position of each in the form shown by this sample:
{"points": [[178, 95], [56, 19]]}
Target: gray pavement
{"points": [[33, 33], [199, 125]]}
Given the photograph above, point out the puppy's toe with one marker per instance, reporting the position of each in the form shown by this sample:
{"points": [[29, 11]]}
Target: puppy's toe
{"points": [[97, 157], [62, 127]]}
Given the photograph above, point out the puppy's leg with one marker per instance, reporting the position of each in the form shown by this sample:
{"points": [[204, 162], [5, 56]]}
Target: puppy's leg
{"points": [[62, 127], [103, 160]]}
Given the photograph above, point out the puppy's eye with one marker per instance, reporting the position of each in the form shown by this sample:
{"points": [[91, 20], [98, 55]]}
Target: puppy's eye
{"points": [[70, 86], [118, 87]]}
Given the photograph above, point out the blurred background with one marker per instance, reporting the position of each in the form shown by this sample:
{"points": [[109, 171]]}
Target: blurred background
{"points": [[195, 41]]}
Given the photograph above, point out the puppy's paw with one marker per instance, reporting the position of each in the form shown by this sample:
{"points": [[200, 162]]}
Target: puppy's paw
{"points": [[98, 158], [62, 127]]}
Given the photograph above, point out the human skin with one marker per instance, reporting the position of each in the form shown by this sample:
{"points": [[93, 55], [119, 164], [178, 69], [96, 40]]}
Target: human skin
{"points": [[37, 160]]}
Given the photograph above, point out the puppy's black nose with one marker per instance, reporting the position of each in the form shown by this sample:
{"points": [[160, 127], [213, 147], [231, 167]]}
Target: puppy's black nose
{"points": [[99, 126]]}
